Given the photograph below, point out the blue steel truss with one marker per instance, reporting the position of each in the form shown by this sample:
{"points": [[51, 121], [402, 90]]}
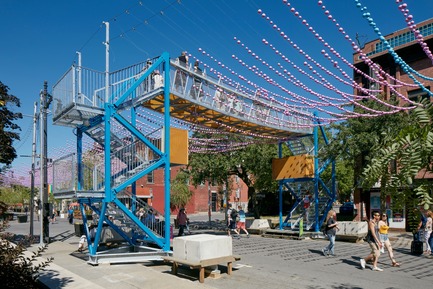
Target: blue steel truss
{"points": [[94, 114], [110, 193], [321, 204]]}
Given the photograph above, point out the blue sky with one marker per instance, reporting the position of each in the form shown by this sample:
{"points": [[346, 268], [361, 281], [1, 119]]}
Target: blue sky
{"points": [[40, 39]]}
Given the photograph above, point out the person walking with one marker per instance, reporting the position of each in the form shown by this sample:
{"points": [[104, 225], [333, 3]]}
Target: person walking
{"points": [[374, 242], [71, 215], [331, 231], [428, 231], [241, 223], [383, 236], [181, 221], [231, 221]]}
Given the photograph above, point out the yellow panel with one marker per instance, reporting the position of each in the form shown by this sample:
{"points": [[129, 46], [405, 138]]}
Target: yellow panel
{"points": [[301, 166], [178, 146]]}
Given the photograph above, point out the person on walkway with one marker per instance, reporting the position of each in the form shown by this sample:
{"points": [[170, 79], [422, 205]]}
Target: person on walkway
{"points": [[182, 218], [180, 74], [241, 223], [158, 80], [383, 236], [374, 242], [428, 231], [53, 215], [307, 203], [71, 215], [231, 221], [331, 231], [196, 91]]}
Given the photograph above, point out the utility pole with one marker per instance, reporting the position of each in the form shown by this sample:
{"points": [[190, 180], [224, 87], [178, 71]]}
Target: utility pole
{"points": [[32, 180], [45, 210]]}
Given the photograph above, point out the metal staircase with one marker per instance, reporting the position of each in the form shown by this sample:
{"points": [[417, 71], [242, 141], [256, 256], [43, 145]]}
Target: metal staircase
{"points": [[107, 106]]}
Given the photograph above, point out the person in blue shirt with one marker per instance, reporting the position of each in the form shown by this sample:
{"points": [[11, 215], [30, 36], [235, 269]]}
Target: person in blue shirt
{"points": [[241, 223], [71, 215]]}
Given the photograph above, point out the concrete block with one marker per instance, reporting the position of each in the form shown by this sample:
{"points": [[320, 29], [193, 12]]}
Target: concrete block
{"points": [[108, 235], [260, 224], [195, 248], [353, 229]]}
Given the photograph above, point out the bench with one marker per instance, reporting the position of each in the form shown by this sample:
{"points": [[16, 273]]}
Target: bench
{"points": [[201, 264]]}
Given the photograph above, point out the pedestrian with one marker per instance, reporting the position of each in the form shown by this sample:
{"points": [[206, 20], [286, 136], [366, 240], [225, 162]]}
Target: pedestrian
{"points": [[140, 214], [181, 74], [330, 231], [196, 91], [428, 231], [158, 80], [307, 203], [231, 221], [241, 223], [71, 215], [182, 218], [53, 215], [374, 242], [383, 236], [187, 224]]}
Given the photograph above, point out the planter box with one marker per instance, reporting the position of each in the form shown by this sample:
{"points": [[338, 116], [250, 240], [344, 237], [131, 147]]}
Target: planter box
{"points": [[8, 216], [22, 219], [79, 229]]}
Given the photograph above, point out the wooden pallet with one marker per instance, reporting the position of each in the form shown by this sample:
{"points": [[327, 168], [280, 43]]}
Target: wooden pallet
{"points": [[201, 265]]}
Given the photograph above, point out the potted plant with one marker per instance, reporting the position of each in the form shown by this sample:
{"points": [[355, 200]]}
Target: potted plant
{"points": [[79, 229], [22, 218]]}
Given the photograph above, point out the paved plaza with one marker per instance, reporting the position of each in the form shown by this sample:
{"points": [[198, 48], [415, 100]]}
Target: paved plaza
{"points": [[265, 263]]}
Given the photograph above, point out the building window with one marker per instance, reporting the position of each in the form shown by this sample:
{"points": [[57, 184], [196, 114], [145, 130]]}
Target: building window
{"points": [[150, 177], [418, 94]]}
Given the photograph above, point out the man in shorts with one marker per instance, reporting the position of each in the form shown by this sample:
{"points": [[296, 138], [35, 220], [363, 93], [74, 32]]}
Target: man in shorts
{"points": [[374, 242], [241, 223], [231, 221]]}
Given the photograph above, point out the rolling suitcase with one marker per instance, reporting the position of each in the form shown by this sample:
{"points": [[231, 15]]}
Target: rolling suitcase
{"points": [[416, 247]]}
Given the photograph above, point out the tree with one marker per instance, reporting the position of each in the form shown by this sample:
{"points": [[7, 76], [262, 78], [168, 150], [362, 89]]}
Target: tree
{"points": [[252, 164], [15, 194], [7, 126], [180, 193], [354, 140], [410, 151]]}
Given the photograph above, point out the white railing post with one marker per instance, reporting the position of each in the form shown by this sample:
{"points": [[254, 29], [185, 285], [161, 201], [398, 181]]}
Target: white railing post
{"points": [[107, 60]]}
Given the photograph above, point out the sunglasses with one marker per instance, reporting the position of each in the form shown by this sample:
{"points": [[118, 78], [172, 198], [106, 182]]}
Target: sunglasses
{"points": [[376, 215]]}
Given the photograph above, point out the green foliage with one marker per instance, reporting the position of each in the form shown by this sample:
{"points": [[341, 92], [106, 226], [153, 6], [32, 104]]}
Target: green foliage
{"points": [[357, 141], [8, 127], [344, 178], [252, 164], [180, 193], [411, 150], [15, 194], [18, 269]]}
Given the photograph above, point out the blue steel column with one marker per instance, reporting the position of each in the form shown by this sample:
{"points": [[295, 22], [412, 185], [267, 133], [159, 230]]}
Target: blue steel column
{"points": [[134, 184], [166, 150], [107, 153], [79, 159], [316, 173], [280, 189]]}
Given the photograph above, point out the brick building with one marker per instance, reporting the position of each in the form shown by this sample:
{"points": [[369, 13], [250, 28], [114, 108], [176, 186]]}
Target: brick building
{"points": [[406, 46], [151, 190]]}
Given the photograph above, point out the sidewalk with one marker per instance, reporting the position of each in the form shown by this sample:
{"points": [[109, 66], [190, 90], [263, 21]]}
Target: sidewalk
{"points": [[70, 268]]}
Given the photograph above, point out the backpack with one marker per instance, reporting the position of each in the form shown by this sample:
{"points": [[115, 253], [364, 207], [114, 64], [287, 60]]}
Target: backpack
{"points": [[423, 221], [233, 214], [324, 228]]}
